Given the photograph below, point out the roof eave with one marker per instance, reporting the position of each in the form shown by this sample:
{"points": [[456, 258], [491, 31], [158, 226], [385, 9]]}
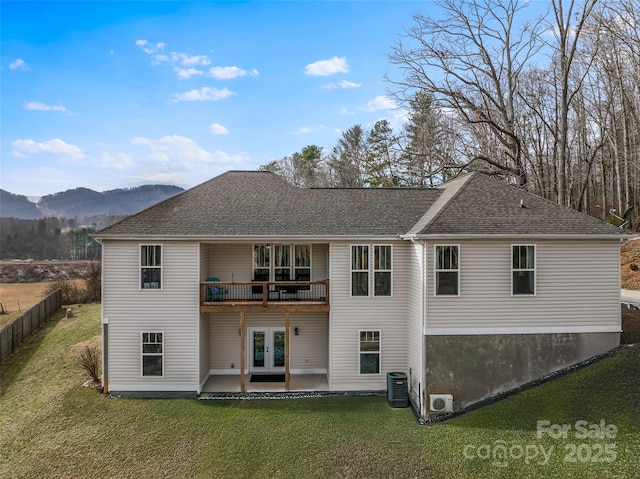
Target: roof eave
{"points": [[621, 236], [254, 238]]}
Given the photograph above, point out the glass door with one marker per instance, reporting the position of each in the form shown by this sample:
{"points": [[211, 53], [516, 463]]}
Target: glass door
{"points": [[266, 349]]}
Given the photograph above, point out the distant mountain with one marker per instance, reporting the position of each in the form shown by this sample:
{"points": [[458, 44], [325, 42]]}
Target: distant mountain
{"points": [[83, 202], [18, 206]]}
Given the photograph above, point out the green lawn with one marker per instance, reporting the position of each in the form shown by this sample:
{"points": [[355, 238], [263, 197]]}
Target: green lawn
{"points": [[52, 427]]}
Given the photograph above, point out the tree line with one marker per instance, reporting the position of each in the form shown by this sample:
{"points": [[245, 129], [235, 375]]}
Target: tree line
{"points": [[548, 101], [52, 238]]}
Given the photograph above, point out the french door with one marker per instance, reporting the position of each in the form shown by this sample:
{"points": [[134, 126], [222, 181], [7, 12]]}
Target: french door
{"points": [[266, 349]]}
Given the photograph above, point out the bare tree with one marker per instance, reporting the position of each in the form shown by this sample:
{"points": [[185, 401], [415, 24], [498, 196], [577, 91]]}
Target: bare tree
{"points": [[471, 60]]}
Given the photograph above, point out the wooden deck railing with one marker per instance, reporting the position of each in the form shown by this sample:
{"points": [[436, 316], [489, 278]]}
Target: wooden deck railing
{"points": [[264, 293]]}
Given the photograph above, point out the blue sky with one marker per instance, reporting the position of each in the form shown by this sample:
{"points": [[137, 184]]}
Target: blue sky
{"points": [[111, 95]]}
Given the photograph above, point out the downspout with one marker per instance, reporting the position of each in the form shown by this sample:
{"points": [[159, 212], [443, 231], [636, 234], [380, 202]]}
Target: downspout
{"points": [[423, 358], [105, 328]]}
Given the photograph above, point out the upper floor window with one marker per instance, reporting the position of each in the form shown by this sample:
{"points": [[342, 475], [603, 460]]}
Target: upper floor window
{"points": [[523, 269], [282, 262], [150, 266], [366, 269], [447, 270]]}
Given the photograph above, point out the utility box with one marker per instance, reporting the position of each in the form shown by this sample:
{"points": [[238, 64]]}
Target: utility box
{"points": [[397, 391]]}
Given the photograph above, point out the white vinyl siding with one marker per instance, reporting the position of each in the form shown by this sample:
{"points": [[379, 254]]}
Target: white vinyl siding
{"points": [[173, 310], [577, 286], [351, 314]]}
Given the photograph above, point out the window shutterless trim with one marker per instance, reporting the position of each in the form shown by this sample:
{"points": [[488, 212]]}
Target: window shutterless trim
{"points": [[370, 269], [437, 270], [378, 352], [143, 354], [141, 267], [272, 267], [534, 269]]}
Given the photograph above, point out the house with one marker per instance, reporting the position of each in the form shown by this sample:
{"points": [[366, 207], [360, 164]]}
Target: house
{"points": [[469, 288]]}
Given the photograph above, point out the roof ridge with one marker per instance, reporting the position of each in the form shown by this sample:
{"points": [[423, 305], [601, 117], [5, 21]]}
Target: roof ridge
{"points": [[429, 217]]}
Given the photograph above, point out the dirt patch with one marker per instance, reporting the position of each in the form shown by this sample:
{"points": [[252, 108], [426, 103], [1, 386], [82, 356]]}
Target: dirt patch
{"points": [[630, 264], [38, 271], [630, 325]]}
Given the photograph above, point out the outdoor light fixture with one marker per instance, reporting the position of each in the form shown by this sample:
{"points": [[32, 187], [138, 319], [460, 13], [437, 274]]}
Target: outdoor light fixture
{"points": [[295, 330]]}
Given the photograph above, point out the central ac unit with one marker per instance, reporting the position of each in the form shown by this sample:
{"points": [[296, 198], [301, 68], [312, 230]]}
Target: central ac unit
{"points": [[441, 402]]}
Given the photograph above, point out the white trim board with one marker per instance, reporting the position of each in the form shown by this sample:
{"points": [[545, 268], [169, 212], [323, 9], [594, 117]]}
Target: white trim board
{"points": [[522, 330]]}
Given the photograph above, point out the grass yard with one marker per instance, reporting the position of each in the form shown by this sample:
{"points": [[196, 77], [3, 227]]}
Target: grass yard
{"points": [[52, 427], [19, 297]]}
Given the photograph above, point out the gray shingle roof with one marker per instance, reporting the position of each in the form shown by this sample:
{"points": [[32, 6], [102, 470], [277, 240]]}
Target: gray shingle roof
{"points": [[487, 206], [256, 203]]}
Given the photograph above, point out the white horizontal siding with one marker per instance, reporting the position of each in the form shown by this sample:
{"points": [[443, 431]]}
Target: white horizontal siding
{"points": [[310, 343], [577, 285], [173, 310], [349, 315]]}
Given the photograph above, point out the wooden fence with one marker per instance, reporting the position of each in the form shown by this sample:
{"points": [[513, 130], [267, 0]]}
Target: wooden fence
{"points": [[17, 332]]}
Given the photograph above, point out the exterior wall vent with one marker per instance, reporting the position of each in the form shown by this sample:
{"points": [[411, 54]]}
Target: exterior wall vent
{"points": [[441, 402]]}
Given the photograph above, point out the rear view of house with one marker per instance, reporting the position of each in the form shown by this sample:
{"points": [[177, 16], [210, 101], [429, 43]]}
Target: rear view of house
{"points": [[469, 288]]}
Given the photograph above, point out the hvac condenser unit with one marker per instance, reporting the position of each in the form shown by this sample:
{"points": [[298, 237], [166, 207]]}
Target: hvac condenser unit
{"points": [[441, 402]]}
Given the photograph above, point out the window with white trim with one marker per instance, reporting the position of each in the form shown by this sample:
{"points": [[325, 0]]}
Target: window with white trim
{"points": [[369, 350], [447, 270], [302, 265], [282, 262], [151, 266], [371, 275], [152, 354], [359, 270], [523, 269]]}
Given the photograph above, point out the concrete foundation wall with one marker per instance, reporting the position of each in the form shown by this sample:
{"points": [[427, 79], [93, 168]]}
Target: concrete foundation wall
{"points": [[476, 367]]}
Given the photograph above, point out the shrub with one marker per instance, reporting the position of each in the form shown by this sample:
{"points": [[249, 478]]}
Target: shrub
{"points": [[72, 293], [89, 360]]}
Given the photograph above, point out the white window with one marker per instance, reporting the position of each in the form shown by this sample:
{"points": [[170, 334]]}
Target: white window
{"points": [[282, 262], [447, 270], [371, 275], [153, 354], [359, 270], [369, 350], [523, 269], [302, 265], [150, 266]]}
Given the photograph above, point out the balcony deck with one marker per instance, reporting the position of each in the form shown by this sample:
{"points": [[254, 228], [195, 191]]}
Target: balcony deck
{"points": [[292, 296]]}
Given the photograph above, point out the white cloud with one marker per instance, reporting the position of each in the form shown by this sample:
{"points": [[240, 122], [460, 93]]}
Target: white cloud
{"points": [[54, 147], [380, 102], [303, 130], [182, 63], [18, 64], [342, 84], [327, 67], [37, 105], [344, 111], [187, 73], [203, 94], [218, 129], [229, 73], [119, 161]]}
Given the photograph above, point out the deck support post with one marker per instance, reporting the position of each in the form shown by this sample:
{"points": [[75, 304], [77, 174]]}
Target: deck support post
{"points": [[243, 388], [287, 344]]}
